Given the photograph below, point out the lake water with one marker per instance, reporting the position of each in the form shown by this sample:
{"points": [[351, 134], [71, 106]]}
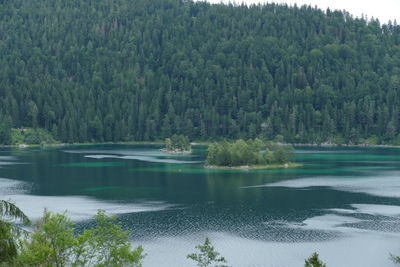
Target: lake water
{"points": [[343, 203]]}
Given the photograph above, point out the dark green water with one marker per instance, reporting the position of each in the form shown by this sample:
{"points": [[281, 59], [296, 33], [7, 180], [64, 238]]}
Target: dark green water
{"points": [[344, 201]]}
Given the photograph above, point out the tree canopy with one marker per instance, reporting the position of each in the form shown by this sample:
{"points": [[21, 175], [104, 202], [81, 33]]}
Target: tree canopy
{"points": [[177, 143], [250, 152], [54, 243], [144, 70]]}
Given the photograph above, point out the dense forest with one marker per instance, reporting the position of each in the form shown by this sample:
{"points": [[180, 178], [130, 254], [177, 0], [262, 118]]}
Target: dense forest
{"points": [[121, 70]]}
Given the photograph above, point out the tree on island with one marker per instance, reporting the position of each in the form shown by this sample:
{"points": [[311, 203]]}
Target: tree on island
{"points": [[250, 152], [177, 143], [207, 257], [281, 153]]}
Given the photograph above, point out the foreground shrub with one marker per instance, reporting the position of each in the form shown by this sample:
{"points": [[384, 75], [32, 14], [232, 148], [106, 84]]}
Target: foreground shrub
{"points": [[54, 243]]}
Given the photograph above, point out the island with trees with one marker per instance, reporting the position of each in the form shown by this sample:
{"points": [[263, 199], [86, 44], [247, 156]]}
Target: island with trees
{"points": [[250, 154], [177, 144]]}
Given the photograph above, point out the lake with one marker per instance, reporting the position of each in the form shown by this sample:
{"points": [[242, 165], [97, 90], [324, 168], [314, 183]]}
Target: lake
{"points": [[343, 203]]}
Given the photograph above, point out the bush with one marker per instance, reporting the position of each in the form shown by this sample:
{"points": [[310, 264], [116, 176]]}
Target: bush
{"points": [[54, 244], [177, 143], [31, 136], [372, 140]]}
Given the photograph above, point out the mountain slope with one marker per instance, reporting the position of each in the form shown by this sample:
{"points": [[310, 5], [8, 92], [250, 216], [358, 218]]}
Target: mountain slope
{"points": [[142, 70]]}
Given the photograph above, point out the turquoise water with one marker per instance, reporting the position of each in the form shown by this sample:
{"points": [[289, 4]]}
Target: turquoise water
{"points": [[343, 203]]}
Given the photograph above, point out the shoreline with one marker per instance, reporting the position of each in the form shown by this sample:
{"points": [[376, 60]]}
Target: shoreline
{"points": [[344, 145], [192, 143], [84, 144], [256, 167]]}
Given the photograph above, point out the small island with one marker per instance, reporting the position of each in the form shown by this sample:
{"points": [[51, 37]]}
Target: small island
{"points": [[177, 144], [250, 154]]}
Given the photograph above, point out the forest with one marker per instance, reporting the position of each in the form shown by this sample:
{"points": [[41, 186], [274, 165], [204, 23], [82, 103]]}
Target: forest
{"points": [[139, 70]]}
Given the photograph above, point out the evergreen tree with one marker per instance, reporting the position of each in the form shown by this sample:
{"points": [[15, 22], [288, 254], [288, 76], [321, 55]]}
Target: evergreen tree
{"points": [[314, 261], [10, 232], [207, 257]]}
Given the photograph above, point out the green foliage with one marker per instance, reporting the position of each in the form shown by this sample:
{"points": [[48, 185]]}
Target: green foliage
{"points": [[168, 144], [148, 70], [177, 143], [396, 141], [107, 244], [31, 136], [5, 130], [96, 129], [395, 259], [54, 244], [250, 152], [314, 261], [281, 153], [207, 257], [338, 140], [8, 243], [9, 232], [372, 140]]}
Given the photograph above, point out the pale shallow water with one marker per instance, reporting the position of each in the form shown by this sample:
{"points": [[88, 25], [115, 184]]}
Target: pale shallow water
{"points": [[344, 203], [387, 185]]}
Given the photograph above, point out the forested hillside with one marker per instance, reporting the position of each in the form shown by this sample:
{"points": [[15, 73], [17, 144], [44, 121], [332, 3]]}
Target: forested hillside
{"points": [[120, 70]]}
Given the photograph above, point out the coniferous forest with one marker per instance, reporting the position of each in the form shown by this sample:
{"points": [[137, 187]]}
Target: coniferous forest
{"points": [[122, 70]]}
